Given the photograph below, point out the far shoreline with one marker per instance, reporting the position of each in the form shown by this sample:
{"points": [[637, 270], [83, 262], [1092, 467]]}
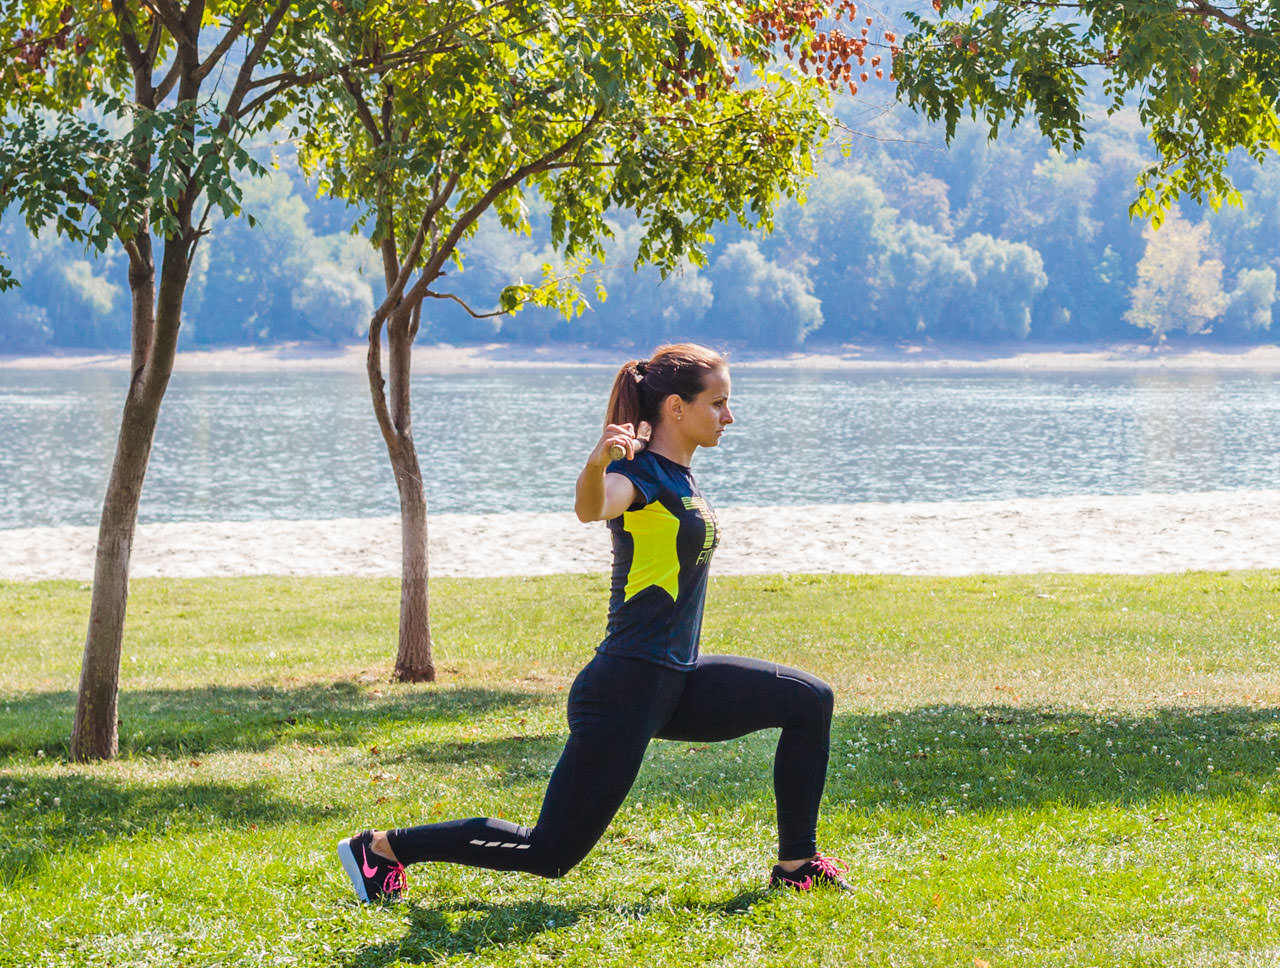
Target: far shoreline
{"points": [[446, 358]]}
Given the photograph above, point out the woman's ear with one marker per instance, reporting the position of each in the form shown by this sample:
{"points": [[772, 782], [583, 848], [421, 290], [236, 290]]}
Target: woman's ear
{"points": [[673, 407]]}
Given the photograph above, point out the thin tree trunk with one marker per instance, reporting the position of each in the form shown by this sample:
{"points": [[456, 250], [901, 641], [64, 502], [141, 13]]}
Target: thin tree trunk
{"points": [[414, 661], [95, 733], [413, 656]]}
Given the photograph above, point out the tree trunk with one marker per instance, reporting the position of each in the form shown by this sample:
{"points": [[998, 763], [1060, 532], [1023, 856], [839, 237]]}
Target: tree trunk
{"points": [[414, 661], [95, 733], [413, 657]]}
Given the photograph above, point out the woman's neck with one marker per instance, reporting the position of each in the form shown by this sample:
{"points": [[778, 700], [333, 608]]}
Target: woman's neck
{"points": [[674, 447]]}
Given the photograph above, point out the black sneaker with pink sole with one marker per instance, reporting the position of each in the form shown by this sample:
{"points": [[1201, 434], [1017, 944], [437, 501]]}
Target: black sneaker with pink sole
{"points": [[819, 872]]}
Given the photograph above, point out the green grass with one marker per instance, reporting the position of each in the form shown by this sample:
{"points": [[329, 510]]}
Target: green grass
{"points": [[1042, 770]]}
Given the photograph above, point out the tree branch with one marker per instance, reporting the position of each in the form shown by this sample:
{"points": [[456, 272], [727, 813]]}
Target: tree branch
{"points": [[470, 311], [1206, 9], [413, 54], [169, 81], [171, 16], [153, 42], [363, 112], [442, 251], [395, 287], [228, 39], [244, 79], [138, 61], [377, 384]]}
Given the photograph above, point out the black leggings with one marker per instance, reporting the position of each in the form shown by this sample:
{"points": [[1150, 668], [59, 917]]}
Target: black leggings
{"points": [[616, 706]]}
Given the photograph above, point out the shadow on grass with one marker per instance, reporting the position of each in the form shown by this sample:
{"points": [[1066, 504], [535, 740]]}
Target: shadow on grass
{"points": [[964, 756], [468, 928], [898, 766], [52, 815], [967, 758], [247, 718]]}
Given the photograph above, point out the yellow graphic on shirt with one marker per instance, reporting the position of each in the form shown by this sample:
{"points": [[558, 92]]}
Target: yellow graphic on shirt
{"points": [[654, 560], [711, 536]]}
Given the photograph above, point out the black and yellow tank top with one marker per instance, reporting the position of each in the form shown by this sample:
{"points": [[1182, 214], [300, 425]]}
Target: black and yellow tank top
{"points": [[662, 549]]}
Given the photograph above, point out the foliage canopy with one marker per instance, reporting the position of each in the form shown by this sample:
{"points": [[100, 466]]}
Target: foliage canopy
{"points": [[1205, 79], [678, 112]]}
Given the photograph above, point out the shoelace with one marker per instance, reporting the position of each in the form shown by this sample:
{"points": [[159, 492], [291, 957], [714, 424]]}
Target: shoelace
{"points": [[832, 867], [395, 880]]}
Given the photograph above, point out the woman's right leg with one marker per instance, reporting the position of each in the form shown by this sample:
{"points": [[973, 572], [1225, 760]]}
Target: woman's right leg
{"points": [[730, 696], [615, 707]]}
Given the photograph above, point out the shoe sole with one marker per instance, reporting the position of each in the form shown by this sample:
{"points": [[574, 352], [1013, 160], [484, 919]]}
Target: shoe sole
{"points": [[352, 867]]}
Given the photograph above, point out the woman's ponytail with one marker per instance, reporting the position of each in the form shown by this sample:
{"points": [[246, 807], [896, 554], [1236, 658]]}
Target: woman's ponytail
{"points": [[624, 399]]}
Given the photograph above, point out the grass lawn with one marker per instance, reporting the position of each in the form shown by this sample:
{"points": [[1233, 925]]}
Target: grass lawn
{"points": [[1042, 770]]}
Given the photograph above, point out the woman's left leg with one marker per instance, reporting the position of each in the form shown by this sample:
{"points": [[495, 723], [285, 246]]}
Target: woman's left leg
{"points": [[729, 696]]}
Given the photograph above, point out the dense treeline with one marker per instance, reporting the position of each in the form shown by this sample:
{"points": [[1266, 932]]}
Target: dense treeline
{"points": [[901, 238]]}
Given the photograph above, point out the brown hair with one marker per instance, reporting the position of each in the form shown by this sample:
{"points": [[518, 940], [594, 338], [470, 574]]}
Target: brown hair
{"points": [[642, 385]]}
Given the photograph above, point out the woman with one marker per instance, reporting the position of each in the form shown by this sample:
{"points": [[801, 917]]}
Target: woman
{"points": [[647, 678]]}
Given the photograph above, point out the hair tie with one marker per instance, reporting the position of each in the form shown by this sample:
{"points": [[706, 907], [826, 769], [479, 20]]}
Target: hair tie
{"points": [[641, 368]]}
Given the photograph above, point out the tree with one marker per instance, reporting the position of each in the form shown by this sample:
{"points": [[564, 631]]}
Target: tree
{"points": [[761, 302], [1249, 305], [922, 274], [1206, 79], [1179, 287], [644, 306], [1007, 277], [593, 106], [846, 229], [126, 123]]}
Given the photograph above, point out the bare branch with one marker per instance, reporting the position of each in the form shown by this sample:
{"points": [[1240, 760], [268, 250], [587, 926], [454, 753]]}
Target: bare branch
{"points": [[377, 384], [228, 39], [396, 285], [131, 249], [415, 321], [244, 78], [170, 80], [391, 264], [363, 111], [171, 16], [153, 42], [470, 311]]}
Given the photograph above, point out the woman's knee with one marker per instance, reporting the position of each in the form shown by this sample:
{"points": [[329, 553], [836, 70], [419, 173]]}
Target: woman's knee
{"points": [[825, 697], [823, 702], [817, 693], [557, 865]]}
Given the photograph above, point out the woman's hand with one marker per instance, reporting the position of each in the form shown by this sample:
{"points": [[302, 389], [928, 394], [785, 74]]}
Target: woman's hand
{"points": [[622, 435], [601, 496]]}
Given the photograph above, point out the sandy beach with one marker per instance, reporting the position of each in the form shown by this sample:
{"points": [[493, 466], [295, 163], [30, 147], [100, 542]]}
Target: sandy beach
{"points": [[1135, 534]]}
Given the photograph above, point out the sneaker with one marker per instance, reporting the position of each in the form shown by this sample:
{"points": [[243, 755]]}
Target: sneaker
{"points": [[372, 875], [819, 872]]}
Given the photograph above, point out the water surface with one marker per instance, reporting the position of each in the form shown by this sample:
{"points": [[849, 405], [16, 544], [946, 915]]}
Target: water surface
{"points": [[245, 446]]}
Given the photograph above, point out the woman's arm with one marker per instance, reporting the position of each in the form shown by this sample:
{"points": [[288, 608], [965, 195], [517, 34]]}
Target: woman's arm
{"points": [[601, 496]]}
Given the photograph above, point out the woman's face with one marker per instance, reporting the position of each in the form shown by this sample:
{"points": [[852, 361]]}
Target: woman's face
{"points": [[703, 419]]}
